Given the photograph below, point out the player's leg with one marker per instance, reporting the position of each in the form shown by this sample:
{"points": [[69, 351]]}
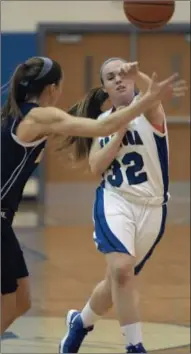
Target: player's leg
{"points": [[115, 236], [14, 305], [8, 276], [23, 298], [80, 323], [15, 300], [99, 302], [14, 278], [150, 228], [150, 225], [125, 299], [106, 229], [8, 310]]}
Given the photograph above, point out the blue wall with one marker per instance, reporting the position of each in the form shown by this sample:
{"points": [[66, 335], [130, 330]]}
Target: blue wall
{"points": [[15, 48]]}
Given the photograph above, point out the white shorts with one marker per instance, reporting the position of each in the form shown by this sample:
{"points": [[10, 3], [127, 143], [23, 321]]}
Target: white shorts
{"points": [[126, 227]]}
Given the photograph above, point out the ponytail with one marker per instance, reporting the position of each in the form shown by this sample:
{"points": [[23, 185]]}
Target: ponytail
{"points": [[16, 94], [90, 106]]}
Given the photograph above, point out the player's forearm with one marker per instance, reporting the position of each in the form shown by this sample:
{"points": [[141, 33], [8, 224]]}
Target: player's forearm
{"points": [[142, 81], [100, 160]]}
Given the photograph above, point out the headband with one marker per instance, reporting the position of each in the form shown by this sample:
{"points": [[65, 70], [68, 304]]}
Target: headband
{"points": [[47, 66]]}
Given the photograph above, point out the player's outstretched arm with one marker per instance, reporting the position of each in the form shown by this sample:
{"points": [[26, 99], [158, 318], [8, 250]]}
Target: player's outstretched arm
{"points": [[50, 120], [46, 121], [58, 122]]}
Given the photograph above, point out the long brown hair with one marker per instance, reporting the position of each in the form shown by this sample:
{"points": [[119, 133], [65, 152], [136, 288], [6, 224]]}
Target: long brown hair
{"points": [[28, 81], [89, 106]]}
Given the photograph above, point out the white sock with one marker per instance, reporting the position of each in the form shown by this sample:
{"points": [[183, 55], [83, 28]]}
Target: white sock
{"points": [[88, 316], [132, 333]]}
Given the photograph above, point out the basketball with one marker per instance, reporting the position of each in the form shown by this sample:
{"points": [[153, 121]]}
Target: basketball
{"points": [[149, 14]]}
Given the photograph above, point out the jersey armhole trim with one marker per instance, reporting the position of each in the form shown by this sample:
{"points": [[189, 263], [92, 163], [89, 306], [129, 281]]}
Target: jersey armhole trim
{"points": [[160, 128], [25, 144]]}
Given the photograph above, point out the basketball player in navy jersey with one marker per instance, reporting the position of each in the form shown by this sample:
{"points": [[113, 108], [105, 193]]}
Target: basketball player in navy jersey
{"points": [[28, 118], [130, 204]]}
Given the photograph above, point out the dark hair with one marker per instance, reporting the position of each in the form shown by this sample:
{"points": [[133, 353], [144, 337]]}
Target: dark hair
{"points": [[89, 106], [28, 81]]}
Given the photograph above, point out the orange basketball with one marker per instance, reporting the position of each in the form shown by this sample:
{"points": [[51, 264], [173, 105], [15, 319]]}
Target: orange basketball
{"points": [[149, 14]]}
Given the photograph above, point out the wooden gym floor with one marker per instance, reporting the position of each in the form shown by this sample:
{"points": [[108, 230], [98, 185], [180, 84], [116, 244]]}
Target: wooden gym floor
{"points": [[65, 267]]}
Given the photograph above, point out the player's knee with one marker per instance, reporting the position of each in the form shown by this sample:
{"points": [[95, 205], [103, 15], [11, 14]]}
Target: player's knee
{"points": [[122, 272]]}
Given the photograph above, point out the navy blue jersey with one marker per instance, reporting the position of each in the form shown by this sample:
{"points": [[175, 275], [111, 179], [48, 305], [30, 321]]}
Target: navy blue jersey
{"points": [[18, 160]]}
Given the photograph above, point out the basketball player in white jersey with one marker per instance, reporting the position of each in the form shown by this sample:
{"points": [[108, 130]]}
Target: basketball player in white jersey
{"points": [[130, 206]]}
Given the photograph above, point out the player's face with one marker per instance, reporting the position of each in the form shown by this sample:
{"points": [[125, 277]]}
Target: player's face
{"points": [[119, 88]]}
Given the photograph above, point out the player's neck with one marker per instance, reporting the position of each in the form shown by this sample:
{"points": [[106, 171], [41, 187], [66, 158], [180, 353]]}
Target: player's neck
{"points": [[42, 102]]}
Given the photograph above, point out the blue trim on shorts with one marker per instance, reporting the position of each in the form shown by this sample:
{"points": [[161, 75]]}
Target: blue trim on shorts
{"points": [[139, 267], [105, 240], [162, 150]]}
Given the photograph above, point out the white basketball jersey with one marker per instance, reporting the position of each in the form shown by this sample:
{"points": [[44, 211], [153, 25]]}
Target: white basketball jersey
{"points": [[140, 169]]}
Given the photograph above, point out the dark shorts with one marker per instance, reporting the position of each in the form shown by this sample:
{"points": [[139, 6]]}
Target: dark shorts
{"points": [[13, 266]]}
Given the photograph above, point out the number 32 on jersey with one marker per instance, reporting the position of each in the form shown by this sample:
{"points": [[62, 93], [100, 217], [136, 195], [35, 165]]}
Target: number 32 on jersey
{"points": [[133, 162]]}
